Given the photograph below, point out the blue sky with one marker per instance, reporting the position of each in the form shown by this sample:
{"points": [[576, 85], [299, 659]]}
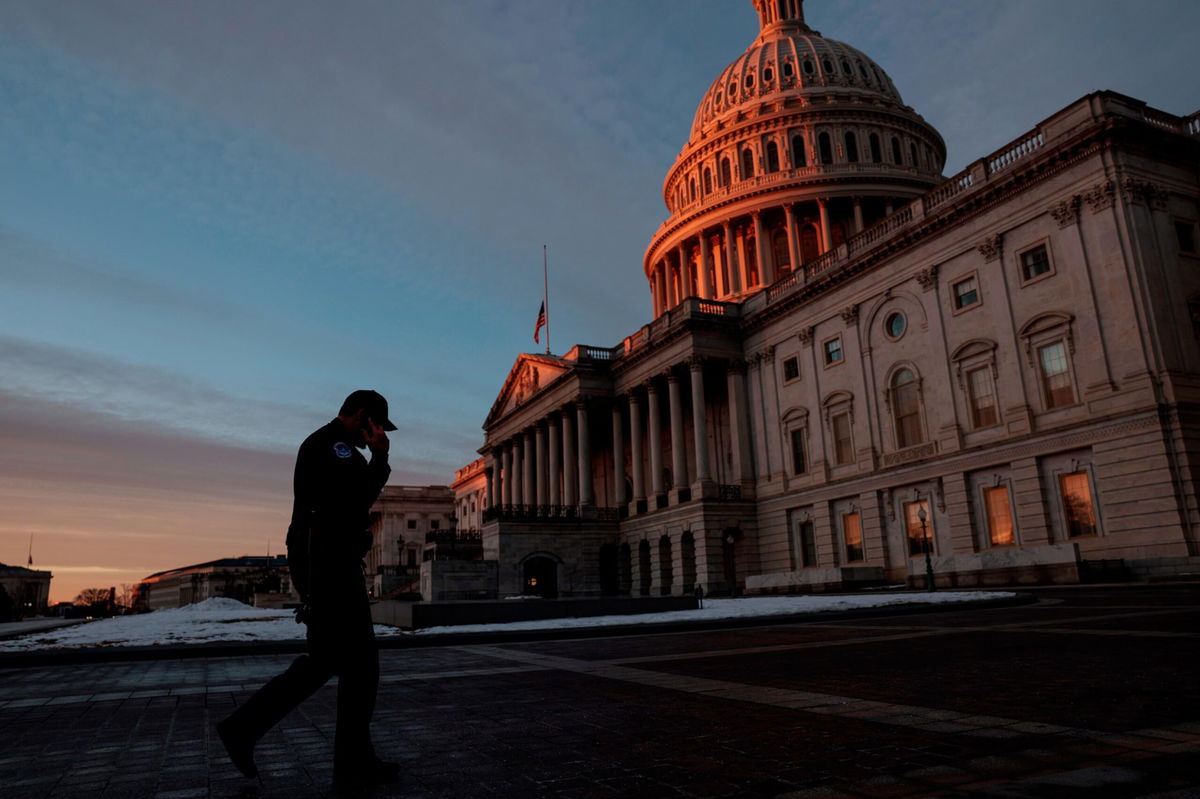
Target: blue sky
{"points": [[217, 218]]}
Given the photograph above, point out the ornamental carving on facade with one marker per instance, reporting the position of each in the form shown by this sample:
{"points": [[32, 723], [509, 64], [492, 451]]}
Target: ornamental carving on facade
{"points": [[1133, 190], [1100, 196], [695, 363], [737, 366], [928, 277], [910, 454], [850, 315], [527, 384], [1066, 213], [806, 334], [991, 247]]}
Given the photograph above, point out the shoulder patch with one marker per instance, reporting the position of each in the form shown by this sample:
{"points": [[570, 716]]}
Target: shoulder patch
{"points": [[342, 450]]}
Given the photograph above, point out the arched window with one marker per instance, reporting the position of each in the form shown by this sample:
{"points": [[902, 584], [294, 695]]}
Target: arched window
{"points": [[799, 156], [779, 249], [906, 409], [772, 157], [851, 147], [825, 146], [810, 247], [726, 176], [707, 180], [747, 164], [692, 189], [876, 152], [897, 159], [912, 151], [752, 278]]}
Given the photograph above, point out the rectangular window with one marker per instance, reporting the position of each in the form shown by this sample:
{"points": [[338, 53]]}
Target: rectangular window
{"points": [[1056, 377], [966, 293], [1186, 233], [412, 557], [852, 530], [791, 369], [1077, 504], [843, 444], [412, 524], [798, 463], [982, 395], [920, 533], [433, 524], [999, 515], [833, 351], [808, 544], [1035, 262]]}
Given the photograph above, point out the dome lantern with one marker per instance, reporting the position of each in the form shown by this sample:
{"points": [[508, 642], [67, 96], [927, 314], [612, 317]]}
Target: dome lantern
{"points": [[779, 13]]}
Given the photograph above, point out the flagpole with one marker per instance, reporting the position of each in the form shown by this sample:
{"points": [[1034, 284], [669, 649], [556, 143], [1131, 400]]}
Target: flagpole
{"points": [[546, 294]]}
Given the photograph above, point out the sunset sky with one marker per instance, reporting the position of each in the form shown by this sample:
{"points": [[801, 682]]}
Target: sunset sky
{"points": [[218, 218]]}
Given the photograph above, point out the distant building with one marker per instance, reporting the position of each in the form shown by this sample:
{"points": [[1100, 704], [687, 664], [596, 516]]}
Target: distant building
{"points": [[403, 520], [28, 591], [470, 496], [256, 580]]}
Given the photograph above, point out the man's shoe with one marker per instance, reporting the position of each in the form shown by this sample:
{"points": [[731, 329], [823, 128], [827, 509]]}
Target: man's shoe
{"points": [[239, 748]]}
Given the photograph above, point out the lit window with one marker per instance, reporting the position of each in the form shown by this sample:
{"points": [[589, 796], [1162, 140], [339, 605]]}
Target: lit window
{"points": [[852, 530], [843, 444], [906, 406], [833, 351], [791, 368], [798, 463], [920, 535], [1035, 262], [1056, 377], [999, 515], [1185, 232], [895, 325], [1077, 504], [982, 394], [966, 293]]}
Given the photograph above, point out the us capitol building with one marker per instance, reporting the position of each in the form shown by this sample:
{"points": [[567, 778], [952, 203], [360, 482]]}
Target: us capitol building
{"points": [[854, 360]]}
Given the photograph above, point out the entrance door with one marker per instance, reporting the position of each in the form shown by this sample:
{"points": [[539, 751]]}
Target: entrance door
{"points": [[541, 577]]}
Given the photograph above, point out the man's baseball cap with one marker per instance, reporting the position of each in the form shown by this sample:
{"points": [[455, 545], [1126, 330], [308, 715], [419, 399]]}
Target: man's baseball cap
{"points": [[374, 404]]}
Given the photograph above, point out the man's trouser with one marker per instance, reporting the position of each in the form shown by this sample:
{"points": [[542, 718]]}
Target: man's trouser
{"points": [[341, 642]]}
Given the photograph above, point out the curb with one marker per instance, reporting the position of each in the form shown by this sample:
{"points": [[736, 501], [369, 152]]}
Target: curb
{"points": [[65, 657]]}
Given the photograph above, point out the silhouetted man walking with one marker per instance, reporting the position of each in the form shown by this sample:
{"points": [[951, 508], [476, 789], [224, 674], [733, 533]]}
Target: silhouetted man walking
{"points": [[335, 487]]}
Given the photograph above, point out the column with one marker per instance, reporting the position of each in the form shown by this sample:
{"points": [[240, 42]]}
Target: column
{"points": [[793, 237], [543, 496], [635, 442], [656, 481], [570, 496], [618, 448], [730, 265], [653, 295], [766, 265], [685, 271], [739, 428], [490, 493], [858, 217], [706, 280], [528, 496], [826, 234], [506, 477], [699, 420], [743, 269], [585, 453], [555, 459], [518, 472], [678, 451]]}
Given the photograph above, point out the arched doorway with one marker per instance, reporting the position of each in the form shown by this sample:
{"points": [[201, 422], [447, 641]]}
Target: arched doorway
{"points": [[625, 571], [608, 570], [687, 553], [539, 577], [644, 568], [665, 576]]}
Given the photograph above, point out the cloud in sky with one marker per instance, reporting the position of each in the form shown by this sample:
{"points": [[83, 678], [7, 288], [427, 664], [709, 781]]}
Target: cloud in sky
{"points": [[220, 217]]}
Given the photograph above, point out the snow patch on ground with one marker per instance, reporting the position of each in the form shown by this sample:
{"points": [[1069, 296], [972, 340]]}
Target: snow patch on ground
{"points": [[224, 619]]}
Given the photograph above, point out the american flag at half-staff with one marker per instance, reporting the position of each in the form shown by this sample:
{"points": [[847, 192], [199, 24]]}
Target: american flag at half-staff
{"points": [[541, 322]]}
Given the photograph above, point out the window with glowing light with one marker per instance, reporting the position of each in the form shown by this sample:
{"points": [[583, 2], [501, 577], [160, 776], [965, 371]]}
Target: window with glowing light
{"points": [[999, 516], [1078, 508], [852, 533], [920, 534]]}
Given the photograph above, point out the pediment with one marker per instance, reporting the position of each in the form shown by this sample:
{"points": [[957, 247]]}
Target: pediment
{"points": [[528, 376]]}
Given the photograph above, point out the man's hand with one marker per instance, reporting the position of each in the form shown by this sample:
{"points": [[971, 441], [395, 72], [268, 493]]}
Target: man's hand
{"points": [[376, 436]]}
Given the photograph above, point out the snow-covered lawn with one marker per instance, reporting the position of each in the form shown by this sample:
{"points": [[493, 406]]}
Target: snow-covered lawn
{"points": [[230, 620]]}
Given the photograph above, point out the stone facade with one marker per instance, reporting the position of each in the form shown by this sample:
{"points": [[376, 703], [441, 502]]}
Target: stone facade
{"points": [[403, 519], [28, 590], [1001, 368], [255, 580]]}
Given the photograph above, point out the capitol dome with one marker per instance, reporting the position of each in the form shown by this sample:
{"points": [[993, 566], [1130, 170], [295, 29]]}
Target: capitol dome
{"points": [[798, 145]]}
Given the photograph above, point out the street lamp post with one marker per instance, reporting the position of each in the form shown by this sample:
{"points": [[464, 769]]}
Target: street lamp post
{"points": [[929, 586]]}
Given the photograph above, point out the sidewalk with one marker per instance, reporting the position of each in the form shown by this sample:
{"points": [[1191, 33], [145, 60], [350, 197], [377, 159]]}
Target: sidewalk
{"points": [[1088, 692]]}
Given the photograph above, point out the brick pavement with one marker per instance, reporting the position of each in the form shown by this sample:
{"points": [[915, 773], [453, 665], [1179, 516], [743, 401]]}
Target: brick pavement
{"points": [[1089, 691]]}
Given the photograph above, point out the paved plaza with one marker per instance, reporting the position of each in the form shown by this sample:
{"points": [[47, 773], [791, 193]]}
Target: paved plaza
{"points": [[1089, 691]]}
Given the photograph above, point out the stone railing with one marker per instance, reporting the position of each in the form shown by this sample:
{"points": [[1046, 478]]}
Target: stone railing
{"points": [[556, 514], [1015, 152]]}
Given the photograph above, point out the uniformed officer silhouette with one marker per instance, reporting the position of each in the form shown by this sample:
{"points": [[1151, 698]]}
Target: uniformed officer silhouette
{"points": [[335, 487]]}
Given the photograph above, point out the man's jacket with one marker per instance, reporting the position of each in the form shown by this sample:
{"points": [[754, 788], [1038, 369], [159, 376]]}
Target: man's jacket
{"points": [[334, 487]]}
